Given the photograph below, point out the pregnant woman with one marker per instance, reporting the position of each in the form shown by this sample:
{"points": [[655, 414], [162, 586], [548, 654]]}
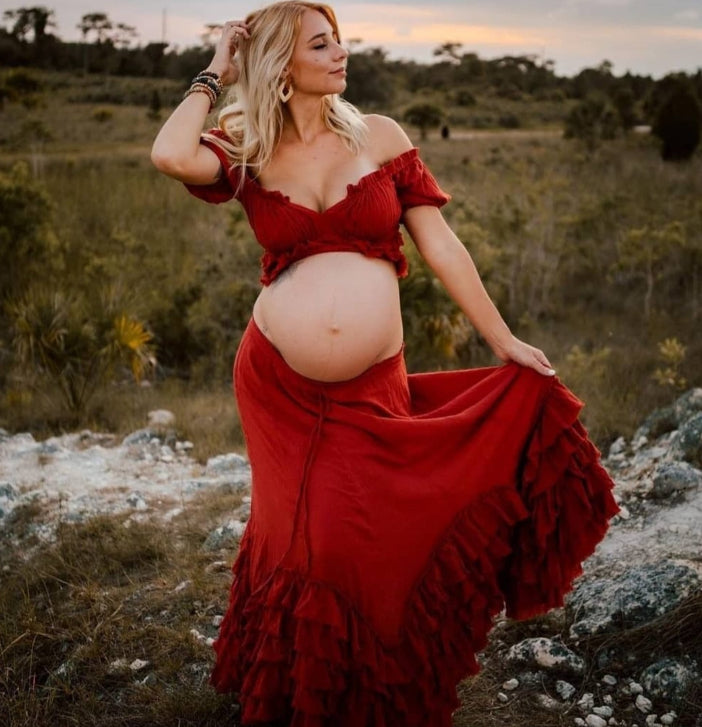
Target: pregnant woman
{"points": [[393, 515]]}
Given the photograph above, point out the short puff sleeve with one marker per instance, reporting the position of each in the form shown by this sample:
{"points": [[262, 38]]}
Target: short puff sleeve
{"points": [[224, 188], [415, 184]]}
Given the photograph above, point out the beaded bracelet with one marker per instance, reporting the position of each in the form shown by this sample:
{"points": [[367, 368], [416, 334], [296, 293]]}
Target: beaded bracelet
{"points": [[210, 74], [207, 82], [202, 88]]}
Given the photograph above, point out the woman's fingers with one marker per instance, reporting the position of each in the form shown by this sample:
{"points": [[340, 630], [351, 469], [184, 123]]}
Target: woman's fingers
{"points": [[235, 30], [543, 365]]}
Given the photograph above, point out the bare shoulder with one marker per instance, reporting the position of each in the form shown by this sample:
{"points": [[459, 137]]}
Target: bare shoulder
{"points": [[386, 138]]}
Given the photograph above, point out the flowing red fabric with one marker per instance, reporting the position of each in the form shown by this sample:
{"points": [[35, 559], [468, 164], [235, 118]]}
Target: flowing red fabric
{"points": [[392, 517]]}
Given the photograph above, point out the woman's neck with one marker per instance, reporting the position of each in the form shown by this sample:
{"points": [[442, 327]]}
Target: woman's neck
{"points": [[303, 120]]}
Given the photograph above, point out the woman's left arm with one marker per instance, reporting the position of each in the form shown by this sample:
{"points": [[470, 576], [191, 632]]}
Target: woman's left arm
{"points": [[453, 265]]}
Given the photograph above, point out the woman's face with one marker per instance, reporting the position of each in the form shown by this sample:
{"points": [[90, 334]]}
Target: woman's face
{"points": [[318, 63]]}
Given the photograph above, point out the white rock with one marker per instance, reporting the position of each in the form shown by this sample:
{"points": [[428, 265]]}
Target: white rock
{"points": [[643, 704], [510, 684], [592, 720], [607, 699], [217, 620], [618, 446], [609, 679], [635, 688], [181, 586], [548, 702], [624, 513], [138, 664], [502, 697], [668, 718], [603, 711], [161, 418], [565, 689], [651, 720], [586, 702], [118, 665], [580, 722]]}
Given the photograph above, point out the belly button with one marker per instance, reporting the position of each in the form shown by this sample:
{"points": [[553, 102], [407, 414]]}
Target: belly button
{"points": [[334, 329]]}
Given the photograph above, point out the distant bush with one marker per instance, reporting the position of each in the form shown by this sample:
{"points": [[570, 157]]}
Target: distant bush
{"points": [[592, 121], [21, 85], [155, 105], [463, 97], [424, 116], [509, 121], [26, 239], [678, 124], [73, 346], [102, 114]]}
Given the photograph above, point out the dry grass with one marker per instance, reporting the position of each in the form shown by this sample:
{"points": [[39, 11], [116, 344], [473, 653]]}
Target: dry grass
{"points": [[206, 417], [102, 592], [107, 590]]}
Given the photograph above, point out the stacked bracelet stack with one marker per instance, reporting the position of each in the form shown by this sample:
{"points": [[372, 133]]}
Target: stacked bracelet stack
{"points": [[207, 82]]}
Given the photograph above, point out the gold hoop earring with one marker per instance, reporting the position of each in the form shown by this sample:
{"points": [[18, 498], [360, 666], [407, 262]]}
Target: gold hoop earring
{"points": [[285, 91]]}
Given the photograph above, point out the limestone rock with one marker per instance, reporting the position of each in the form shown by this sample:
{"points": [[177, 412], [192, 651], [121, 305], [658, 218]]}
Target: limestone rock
{"points": [[690, 440], [668, 678], [161, 419], [225, 536], [658, 422], [545, 653], [687, 405], [671, 477], [639, 595], [139, 437], [225, 464]]}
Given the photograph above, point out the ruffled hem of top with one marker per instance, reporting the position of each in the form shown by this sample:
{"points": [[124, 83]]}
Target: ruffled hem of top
{"points": [[273, 264], [297, 650]]}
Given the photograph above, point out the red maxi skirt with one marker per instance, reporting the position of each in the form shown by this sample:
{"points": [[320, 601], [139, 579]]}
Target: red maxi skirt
{"points": [[392, 517]]}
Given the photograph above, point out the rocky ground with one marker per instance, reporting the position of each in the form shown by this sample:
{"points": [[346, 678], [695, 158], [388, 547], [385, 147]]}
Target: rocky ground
{"points": [[641, 582]]}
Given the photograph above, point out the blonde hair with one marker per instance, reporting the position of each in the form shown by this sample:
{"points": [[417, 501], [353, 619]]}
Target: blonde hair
{"points": [[254, 122]]}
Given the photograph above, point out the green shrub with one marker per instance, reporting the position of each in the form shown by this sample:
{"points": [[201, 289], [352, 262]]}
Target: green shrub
{"points": [[678, 124], [102, 114]]}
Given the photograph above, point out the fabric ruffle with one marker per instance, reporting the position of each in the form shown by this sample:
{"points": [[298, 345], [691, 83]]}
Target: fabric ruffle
{"points": [[568, 495], [272, 264], [298, 650]]}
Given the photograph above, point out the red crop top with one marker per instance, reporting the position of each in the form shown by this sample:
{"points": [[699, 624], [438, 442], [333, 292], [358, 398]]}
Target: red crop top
{"points": [[366, 220]]}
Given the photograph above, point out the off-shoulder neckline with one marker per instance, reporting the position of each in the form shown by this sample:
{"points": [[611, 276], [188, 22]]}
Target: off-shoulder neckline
{"points": [[388, 167]]}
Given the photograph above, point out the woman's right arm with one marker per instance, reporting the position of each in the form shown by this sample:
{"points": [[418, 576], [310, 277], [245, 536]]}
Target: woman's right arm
{"points": [[177, 151]]}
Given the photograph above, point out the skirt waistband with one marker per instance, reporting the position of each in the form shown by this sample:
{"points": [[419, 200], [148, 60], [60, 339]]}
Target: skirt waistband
{"points": [[380, 371]]}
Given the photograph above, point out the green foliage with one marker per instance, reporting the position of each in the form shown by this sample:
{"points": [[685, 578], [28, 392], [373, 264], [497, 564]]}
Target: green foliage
{"points": [[424, 116], [434, 326], [20, 85], [26, 239], [672, 354], [678, 122], [102, 114], [592, 121], [370, 81], [155, 105], [75, 345], [641, 251], [463, 97]]}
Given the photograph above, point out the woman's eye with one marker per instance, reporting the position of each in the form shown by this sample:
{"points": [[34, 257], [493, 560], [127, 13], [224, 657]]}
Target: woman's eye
{"points": [[319, 47]]}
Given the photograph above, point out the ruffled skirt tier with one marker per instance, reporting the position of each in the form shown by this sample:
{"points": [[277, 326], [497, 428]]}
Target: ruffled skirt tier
{"points": [[393, 516]]}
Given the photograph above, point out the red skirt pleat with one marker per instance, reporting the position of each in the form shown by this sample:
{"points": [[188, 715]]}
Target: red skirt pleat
{"points": [[392, 517]]}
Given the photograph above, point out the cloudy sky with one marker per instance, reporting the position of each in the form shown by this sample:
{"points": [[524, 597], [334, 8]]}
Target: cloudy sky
{"points": [[644, 36]]}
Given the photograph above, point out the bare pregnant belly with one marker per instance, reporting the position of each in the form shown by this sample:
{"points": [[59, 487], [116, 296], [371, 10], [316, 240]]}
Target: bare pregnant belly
{"points": [[333, 315]]}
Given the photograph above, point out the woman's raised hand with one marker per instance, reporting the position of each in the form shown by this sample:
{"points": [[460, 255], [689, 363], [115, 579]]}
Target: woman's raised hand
{"points": [[224, 62], [525, 355]]}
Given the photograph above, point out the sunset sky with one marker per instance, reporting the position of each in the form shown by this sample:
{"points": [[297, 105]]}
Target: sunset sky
{"points": [[644, 36]]}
